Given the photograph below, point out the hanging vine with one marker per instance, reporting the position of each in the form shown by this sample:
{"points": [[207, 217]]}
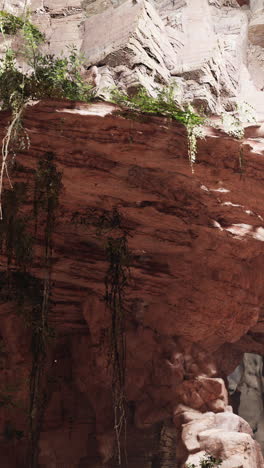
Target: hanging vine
{"points": [[165, 104], [46, 200], [49, 77], [15, 242], [116, 281], [12, 92], [31, 295]]}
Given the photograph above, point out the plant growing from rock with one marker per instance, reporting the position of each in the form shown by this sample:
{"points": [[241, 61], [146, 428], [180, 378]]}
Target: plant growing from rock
{"points": [[11, 24], [207, 462], [164, 104], [233, 125], [49, 78]]}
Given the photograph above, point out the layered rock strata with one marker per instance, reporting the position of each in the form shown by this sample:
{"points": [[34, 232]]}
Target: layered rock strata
{"points": [[211, 50], [246, 388], [193, 298]]}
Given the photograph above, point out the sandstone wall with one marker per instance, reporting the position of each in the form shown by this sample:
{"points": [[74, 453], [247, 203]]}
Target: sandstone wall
{"points": [[196, 241], [247, 383], [193, 300], [212, 50]]}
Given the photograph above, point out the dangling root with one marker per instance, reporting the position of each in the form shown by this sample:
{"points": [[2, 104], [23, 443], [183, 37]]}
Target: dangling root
{"points": [[11, 136], [119, 420], [116, 281]]}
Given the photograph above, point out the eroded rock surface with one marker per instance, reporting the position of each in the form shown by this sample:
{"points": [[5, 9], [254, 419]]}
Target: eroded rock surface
{"points": [[246, 387], [212, 50], [225, 436], [194, 295]]}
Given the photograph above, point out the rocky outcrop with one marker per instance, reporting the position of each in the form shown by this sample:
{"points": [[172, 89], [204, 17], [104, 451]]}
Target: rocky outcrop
{"points": [[211, 50], [246, 387], [193, 298], [226, 436], [194, 292]]}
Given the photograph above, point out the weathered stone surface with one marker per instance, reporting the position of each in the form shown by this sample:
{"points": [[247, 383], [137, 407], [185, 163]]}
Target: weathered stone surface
{"points": [[202, 47], [225, 436], [246, 384], [196, 288], [196, 284], [256, 25]]}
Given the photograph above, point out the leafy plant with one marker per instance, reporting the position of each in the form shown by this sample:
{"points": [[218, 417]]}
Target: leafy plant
{"points": [[164, 104], [207, 462], [50, 78], [59, 78], [232, 122], [11, 24]]}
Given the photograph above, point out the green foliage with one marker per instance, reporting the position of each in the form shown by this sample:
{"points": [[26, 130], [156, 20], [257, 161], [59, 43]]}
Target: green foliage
{"points": [[207, 462], [53, 78], [163, 104], [49, 78], [11, 24], [11, 82], [57, 78]]}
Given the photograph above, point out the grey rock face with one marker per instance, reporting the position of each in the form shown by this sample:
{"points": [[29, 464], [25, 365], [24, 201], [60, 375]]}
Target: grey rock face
{"points": [[248, 381], [212, 50]]}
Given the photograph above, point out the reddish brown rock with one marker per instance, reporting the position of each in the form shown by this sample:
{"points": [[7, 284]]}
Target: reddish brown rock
{"points": [[195, 290]]}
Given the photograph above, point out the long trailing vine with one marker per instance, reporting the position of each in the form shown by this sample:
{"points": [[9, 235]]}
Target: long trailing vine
{"points": [[12, 83], [51, 77], [116, 281], [31, 295], [48, 77], [11, 24], [110, 227], [46, 200], [164, 104]]}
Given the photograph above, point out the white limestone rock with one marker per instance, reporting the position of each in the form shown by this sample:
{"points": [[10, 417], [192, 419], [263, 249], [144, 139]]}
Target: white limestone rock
{"points": [[211, 49], [225, 436]]}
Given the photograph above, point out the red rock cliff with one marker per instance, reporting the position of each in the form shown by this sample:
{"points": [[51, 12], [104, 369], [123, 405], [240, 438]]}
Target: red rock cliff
{"points": [[193, 300]]}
